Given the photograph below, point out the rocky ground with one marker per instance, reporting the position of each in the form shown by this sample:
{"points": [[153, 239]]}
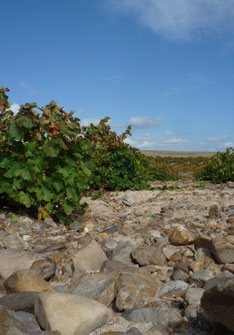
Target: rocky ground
{"points": [[155, 262]]}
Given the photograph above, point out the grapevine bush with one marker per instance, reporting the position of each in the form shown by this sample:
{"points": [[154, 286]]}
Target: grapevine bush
{"points": [[117, 166], [220, 169], [48, 161], [44, 159]]}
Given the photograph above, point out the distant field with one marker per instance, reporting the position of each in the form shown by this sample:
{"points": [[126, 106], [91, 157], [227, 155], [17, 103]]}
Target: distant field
{"points": [[154, 153]]}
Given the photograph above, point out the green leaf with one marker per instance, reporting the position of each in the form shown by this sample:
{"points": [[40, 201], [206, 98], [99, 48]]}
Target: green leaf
{"points": [[67, 207], [24, 199], [50, 150]]}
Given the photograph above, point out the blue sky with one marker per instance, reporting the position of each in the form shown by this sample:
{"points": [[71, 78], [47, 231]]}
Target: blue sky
{"points": [[164, 66]]}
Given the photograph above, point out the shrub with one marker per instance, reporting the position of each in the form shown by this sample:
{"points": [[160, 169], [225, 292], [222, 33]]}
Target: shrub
{"points": [[220, 169], [44, 160], [47, 160], [117, 165]]}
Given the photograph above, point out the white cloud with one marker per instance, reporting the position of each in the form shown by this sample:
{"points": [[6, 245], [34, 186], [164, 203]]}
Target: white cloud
{"points": [[228, 144], [28, 87], [217, 138], [111, 79], [144, 122], [86, 122], [179, 19], [173, 91], [15, 108], [175, 140]]}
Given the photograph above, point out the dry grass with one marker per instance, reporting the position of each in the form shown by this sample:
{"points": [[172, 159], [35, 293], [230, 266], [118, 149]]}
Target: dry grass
{"points": [[194, 154]]}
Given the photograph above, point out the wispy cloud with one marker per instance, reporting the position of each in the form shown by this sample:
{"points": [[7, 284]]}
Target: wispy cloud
{"points": [[173, 91], [165, 141], [217, 138], [175, 140], [86, 122], [179, 19], [28, 87], [111, 79], [144, 122]]}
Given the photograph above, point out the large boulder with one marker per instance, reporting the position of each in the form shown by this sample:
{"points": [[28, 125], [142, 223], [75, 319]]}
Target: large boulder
{"points": [[26, 281], [146, 255], [70, 314], [19, 301], [97, 286], [12, 260], [218, 302], [88, 259], [223, 249], [160, 316], [10, 325], [135, 289]]}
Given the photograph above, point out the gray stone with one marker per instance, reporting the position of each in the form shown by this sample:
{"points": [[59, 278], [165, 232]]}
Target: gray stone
{"points": [[173, 287], [19, 301], [123, 251], [146, 255], [217, 281], [70, 314], [97, 286], [88, 259], [223, 249], [113, 266], [200, 277], [45, 268], [9, 325], [12, 241], [163, 316], [12, 260], [128, 199], [194, 295]]}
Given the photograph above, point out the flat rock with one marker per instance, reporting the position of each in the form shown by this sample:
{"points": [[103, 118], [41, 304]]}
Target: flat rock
{"points": [[10, 325], [161, 316], [146, 255], [70, 314], [12, 260], [223, 249], [26, 281], [113, 266], [135, 289], [172, 252], [123, 252], [173, 287], [200, 277], [194, 295], [97, 286], [88, 259], [19, 301], [13, 241]]}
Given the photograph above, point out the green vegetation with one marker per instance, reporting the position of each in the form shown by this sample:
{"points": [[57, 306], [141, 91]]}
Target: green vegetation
{"points": [[48, 161], [220, 169], [44, 159], [117, 166]]}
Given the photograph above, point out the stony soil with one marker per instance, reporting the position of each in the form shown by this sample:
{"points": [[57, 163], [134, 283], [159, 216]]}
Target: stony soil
{"points": [[149, 262]]}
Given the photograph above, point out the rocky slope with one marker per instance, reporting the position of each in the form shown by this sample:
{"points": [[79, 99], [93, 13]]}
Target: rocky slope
{"points": [[155, 262]]}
